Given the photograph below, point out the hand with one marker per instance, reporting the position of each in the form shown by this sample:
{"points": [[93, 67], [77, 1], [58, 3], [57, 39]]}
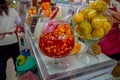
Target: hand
{"points": [[96, 48]]}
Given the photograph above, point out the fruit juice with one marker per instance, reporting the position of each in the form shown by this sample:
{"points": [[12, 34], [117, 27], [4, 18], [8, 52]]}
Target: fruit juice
{"points": [[58, 42]]}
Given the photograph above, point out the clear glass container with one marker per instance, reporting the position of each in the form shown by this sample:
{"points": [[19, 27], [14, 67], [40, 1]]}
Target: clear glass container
{"points": [[56, 41], [91, 26]]}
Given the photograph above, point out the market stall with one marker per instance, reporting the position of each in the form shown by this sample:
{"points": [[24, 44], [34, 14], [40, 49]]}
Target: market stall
{"points": [[80, 66]]}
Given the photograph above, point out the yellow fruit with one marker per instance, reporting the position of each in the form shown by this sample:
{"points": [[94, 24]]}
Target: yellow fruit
{"points": [[101, 6], [103, 18], [98, 33], [77, 29], [90, 14], [88, 37], [85, 28], [92, 5], [97, 21], [83, 11], [106, 26], [78, 18], [81, 16]]}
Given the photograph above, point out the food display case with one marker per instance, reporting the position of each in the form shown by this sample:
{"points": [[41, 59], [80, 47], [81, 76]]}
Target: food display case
{"points": [[76, 70]]}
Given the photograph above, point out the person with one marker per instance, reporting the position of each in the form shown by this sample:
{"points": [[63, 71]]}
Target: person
{"points": [[9, 45], [110, 44]]}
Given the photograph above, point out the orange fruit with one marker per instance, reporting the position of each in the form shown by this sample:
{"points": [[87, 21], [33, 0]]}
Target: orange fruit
{"points": [[48, 13], [32, 7], [34, 11], [30, 11], [76, 48], [45, 6]]}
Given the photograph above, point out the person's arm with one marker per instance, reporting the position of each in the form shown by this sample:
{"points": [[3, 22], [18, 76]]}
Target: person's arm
{"points": [[17, 18], [116, 16]]}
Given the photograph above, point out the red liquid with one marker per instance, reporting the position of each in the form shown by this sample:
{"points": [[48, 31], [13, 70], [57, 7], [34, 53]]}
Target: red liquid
{"points": [[57, 43]]}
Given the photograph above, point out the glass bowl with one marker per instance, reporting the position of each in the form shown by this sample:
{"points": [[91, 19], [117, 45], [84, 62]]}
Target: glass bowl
{"points": [[91, 25]]}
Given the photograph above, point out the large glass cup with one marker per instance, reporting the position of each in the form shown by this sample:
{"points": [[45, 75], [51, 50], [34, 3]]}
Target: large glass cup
{"points": [[56, 41], [91, 26]]}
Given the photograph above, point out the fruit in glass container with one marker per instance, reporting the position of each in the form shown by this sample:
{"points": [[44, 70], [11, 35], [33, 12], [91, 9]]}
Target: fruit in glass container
{"points": [[83, 11], [97, 21], [45, 8], [101, 6], [78, 18], [45, 5], [29, 11], [77, 29], [98, 33], [92, 5], [106, 26], [32, 10], [87, 36], [58, 42], [85, 28], [90, 14]]}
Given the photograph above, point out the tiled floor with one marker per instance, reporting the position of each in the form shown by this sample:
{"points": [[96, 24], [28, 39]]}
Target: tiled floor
{"points": [[10, 70]]}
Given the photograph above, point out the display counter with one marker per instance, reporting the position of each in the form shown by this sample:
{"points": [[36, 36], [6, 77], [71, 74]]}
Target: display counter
{"points": [[76, 70]]}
